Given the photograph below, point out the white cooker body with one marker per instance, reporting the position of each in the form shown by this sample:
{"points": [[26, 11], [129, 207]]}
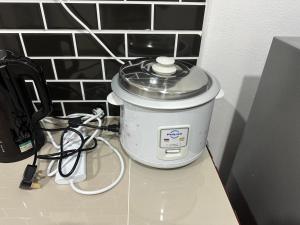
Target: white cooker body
{"points": [[164, 138]]}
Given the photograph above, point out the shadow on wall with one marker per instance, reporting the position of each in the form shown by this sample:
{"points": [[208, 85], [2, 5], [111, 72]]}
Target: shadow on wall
{"points": [[246, 97], [239, 202]]}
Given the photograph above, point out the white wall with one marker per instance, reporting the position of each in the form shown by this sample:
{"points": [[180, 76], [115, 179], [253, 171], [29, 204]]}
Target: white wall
{"points": [[236, 41]]}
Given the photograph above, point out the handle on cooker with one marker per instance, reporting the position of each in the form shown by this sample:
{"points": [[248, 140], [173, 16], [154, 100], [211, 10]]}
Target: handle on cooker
{"points": [[113, 99], [220, 94]]}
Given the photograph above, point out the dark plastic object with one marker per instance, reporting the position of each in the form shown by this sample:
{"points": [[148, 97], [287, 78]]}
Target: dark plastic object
{"points": [[18, 119]]}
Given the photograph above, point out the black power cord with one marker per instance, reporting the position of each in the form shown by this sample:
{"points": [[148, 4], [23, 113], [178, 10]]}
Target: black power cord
{"points": [[67, 153], [73, 123], [79, 150]]}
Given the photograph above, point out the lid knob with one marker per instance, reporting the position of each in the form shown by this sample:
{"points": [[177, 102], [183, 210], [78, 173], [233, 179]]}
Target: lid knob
{"points": [[164, 66]]}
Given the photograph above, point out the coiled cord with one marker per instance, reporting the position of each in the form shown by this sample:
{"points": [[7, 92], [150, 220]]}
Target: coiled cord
{"points": [[64, 155], [114, 183]]}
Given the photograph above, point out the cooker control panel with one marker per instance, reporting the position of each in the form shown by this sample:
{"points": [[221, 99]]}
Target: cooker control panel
{"points": [[173, 142]]}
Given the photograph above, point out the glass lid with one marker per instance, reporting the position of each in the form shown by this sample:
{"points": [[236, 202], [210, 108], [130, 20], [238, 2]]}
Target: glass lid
{"points": [[163, 78]]}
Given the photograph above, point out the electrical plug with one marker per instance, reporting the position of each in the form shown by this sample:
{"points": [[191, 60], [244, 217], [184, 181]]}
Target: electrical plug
{"points": [[99, 111], [28, 177]]}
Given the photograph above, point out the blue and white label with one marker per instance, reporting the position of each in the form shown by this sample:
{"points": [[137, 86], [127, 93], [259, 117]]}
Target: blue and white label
{"points": [[173, 137], [25, 146], [174, 134]]}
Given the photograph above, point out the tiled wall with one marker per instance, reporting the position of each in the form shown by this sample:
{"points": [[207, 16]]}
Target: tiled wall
{"points": [[78, 70]]}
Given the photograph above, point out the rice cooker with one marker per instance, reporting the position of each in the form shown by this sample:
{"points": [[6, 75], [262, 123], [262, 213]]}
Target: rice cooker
{"points": [[165, 112]]}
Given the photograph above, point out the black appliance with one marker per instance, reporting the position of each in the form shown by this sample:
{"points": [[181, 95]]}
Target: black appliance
{"points": [[20, 133]]}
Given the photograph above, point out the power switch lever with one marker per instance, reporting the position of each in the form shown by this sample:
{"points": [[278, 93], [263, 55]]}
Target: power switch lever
{"points": [[172, 151]]}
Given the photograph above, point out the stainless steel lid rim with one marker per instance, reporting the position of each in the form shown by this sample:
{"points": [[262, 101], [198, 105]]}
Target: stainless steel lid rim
{"points": [[191, 102], [163, 78], [159, 95]]}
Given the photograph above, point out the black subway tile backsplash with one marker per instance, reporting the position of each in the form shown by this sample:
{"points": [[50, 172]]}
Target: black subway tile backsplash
{"points": [[87, 46], [114, 110], [21, 16], [56, 108], [49, 44], [58, 18], [46, 67], [79, 74], [111, 68], [78, 69], [83, 107], [115, 16], [158, 0], [192, 62], [96, 90], [178, 17], [65, 90], [151, 44], [11, 42], [188, 45]]}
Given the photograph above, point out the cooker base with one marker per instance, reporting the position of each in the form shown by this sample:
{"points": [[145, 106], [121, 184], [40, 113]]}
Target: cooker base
{"points": [[164, 165]]}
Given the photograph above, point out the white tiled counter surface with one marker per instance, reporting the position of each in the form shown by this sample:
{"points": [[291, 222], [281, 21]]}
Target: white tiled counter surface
{"points": [[192, 195]]}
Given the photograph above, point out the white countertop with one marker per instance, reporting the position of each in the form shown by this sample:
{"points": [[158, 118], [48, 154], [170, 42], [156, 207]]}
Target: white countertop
{"points": [[191, 195]]}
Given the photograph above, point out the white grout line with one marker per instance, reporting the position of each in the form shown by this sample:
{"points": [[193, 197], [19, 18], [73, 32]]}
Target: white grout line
{"points": [[63, 108], [35, 90], [79, 80], [75, 45], [82, 90], [78, 31], [152, 17], [103, 69], [107, 109], [175, 46], [34, 106], [72, 101], [111, 2], [54, 69], [23, 45], [94, 57], [98, 16], [126, 45], [73, 57], [43, 15]]}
